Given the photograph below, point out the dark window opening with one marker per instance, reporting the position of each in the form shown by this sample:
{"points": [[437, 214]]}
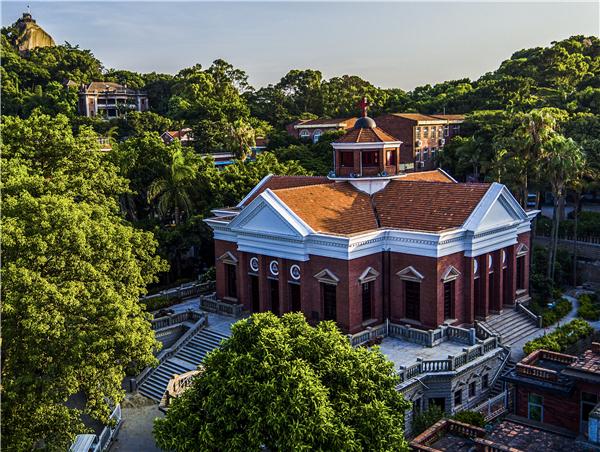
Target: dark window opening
{"points": [[472, 389], [458, 398], [370, 158], [448, 299], [521, 272], [506, 292], [254, 293], [295, 297], [346, 159], [439, 401], [485, 381], [367, 300], [231, 276], [479, 309], [535, 407], [274, 290], [417, 406], [391, 158], [491, 289], [329, 301], [412, 295]]}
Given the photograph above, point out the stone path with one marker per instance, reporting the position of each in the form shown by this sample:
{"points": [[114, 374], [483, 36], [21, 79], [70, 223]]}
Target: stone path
{"points": [[135, 434]]}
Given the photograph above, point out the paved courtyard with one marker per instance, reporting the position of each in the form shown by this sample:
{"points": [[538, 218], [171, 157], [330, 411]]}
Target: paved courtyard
{"points": [[404, 353], [135, 434]]}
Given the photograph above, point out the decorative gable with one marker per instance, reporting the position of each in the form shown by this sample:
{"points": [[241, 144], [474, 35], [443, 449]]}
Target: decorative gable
{"points": [[370, 274], [450, 274], [410, 274], [267, 220], [522, 249], [228, 258], [327, 277]]}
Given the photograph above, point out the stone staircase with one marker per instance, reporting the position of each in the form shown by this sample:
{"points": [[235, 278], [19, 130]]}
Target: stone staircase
{"points": [[185, 359], [511, 325]]}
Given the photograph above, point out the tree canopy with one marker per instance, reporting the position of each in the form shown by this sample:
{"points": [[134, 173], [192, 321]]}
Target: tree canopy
{"points": [[72, 273], [279, 383]]}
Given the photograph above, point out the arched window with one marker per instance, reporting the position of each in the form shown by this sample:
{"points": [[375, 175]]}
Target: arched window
{"points": [[304, 134], [316, 135]]}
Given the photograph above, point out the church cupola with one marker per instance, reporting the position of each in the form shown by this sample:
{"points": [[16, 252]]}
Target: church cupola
{"points": [[366, 151]]}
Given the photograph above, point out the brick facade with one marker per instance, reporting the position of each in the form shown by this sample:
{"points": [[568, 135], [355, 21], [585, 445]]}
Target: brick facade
{"points": [[388, 289]]}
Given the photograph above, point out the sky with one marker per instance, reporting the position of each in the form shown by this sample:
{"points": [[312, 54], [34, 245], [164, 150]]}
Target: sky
{"points": [[391, 44]]}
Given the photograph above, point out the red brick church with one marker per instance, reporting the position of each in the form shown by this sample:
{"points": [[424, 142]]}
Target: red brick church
{"points": [[370, 243]]}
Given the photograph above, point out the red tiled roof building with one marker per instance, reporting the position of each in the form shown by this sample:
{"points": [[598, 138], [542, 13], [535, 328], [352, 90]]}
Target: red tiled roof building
{"points": [[370, 243]]}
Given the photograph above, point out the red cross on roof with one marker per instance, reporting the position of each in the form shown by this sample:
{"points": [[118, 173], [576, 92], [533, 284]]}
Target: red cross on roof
{"points": [[364, 105]]}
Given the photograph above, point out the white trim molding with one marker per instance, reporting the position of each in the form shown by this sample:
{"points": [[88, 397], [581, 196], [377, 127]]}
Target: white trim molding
{"points": [[450, 274], [370, 274], [228, 258], [522, 250], [326, 276], [410, 273]]}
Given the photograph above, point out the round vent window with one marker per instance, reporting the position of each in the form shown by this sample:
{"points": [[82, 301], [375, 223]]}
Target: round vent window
{"points": [[254, 264], [475, 266], [295, 272], [274, 267]]}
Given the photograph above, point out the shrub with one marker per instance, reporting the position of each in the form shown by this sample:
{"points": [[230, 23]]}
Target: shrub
{"points": [[550, 314], [209, 275], [426, 419], [589, 307], [561, 338], [470, 417]]}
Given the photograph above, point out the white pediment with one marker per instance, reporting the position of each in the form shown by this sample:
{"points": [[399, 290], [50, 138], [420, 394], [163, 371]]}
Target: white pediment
{"points": [[268, 215], [327, 276], [497, 208], [410, 273], [228, 258], [370, 274], [498, 214], [265, 219], [450, 274]]}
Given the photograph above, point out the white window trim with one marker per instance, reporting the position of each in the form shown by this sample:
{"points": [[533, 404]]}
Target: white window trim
{"points": [[370, 274], [410, 274], [326, 276], [450, 274], [228, 258]]}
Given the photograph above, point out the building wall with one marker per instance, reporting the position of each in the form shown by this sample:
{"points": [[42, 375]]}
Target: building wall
{"points": [[388, 287], [559, 410]]}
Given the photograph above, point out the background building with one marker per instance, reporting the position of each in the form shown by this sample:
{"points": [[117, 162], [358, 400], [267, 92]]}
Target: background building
{"points": [[110, 100]]}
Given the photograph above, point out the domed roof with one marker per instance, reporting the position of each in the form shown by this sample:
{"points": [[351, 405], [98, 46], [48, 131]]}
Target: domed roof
{"points": [[365, 122]]}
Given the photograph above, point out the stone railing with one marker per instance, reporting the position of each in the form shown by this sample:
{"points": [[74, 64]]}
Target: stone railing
{"points": [[537, 372], [452, 363], [371, 333], [537, 319], [492, 408], [176, 386], [431, 338], [210, 303], [527, 367], [176, 319], [482, 444], [483, 331], [187, 290], [164, 354], [99, 443]]}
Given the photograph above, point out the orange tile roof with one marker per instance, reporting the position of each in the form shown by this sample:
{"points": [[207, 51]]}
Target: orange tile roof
{"points": [[363, 135], [349, 122], [279, 182], [332, 208], [415, 116], [340, 208], [428, 176], [427, 206], [450, 117], [589, 361]]}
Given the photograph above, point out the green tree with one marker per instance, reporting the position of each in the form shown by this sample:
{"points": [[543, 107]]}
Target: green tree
{"points": [[73, 272], [284, 385], [562, 164], [241, 138], [171, 194]]}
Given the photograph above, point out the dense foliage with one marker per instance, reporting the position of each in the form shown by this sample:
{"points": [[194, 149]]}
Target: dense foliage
{"points": [[561, 338], [551, 312], [589, 306], [280, 384], [73, 271]]}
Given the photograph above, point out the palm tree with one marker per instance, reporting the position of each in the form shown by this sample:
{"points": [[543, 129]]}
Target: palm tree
{"points": [[242, 138], [171, 193], [562, 162], [535, 129]]}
